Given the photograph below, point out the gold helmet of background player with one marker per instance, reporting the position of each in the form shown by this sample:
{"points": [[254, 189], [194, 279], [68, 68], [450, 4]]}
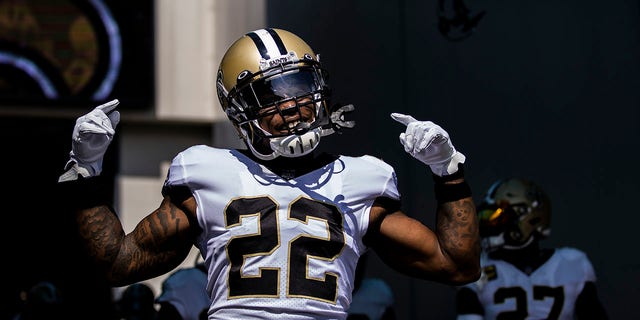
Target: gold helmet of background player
{"points": [[513, 213]]}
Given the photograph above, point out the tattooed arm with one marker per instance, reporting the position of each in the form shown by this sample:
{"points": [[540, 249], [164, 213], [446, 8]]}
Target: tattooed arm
{"points": [[450, 254], [159, 243]]}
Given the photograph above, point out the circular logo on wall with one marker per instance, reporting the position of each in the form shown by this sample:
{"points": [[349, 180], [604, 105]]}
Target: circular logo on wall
{"points": [[65, 51]]}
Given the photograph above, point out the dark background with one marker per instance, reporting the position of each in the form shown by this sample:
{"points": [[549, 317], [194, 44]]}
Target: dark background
{"points": [[38, 238], [62, 38], [543, 89]]}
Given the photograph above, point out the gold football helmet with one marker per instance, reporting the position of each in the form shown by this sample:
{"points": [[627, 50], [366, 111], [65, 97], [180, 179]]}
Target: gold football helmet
{"points": [[514, 213], [264, 70]]}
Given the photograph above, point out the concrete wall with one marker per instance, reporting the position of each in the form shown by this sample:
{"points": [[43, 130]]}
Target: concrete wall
{"points": [[191, 38]]}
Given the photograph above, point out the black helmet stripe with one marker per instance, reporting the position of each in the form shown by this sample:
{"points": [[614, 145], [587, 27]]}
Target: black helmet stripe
{"points": [[278, 41], [268, 43]]}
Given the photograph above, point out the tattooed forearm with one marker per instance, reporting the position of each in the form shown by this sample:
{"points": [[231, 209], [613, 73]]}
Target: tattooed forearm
{"points": [[157, 244], [457, 229], [101, 231]]}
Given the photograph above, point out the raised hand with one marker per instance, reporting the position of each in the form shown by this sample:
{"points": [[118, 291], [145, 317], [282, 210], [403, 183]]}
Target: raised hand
{"points": [[429, 143], [91, 137]]}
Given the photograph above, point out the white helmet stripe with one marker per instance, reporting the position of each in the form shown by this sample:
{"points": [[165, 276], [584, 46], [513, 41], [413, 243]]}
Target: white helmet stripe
{"points": [[268, 42]]}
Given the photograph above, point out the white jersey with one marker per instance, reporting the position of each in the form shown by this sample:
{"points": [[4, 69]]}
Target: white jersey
{"points": [[276, 248], [549, 292]]}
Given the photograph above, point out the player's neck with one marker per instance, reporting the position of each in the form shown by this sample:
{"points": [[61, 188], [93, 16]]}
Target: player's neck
{"points": [[527, 259], [294, 167]]}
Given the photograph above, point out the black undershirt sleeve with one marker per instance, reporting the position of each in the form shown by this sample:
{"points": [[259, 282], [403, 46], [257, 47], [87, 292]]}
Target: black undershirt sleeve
{"points": [[467, 302], [588, 306]]}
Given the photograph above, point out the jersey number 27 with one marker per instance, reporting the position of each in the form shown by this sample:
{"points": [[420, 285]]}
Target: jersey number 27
{"points": [[539, 293]]}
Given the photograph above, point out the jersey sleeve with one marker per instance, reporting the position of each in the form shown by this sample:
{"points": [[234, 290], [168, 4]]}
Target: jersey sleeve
{"points": [[579, 261], [383, 172], [189, 167], [468, 304], [177, 174]]}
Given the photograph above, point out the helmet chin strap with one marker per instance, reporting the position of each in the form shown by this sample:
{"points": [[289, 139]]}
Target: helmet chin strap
{"points": [[498, 242], [296, 145], [493, 243], [291, 146], [518, 247], [261, 156]]}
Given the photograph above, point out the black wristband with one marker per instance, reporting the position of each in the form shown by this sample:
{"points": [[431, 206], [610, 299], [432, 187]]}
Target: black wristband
{"points": [[446, 192], [452, 192], [87, 192]]}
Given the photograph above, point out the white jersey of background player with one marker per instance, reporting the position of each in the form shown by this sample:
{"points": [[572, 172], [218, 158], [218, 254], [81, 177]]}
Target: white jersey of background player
{"points": [[519, 279]]}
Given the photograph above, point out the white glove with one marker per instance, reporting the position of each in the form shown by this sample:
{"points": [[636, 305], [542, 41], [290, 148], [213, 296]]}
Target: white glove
{"points": [[429, 143], [91, 136]]}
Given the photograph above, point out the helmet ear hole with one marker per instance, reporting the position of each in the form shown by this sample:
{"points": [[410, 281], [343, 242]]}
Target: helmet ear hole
{"points": [[243, 75]]}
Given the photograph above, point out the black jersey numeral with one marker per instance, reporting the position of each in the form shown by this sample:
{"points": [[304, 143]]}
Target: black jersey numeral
{"points": [[520, 296], [300, 249]]}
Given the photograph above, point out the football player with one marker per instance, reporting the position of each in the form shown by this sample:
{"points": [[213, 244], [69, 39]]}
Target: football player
{"points": [[373, 298], [184, 294], [520, 279], [280, 227]]}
